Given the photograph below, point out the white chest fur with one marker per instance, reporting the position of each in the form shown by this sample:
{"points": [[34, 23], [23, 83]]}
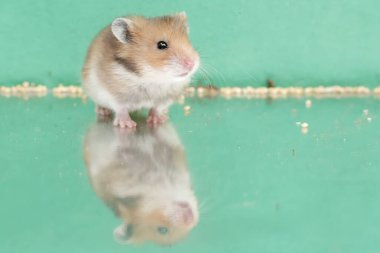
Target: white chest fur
{"points": [[154, 90]]}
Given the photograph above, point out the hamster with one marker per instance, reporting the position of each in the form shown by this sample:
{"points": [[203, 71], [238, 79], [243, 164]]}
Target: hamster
{"points": [[142, 177], [139, 62]]}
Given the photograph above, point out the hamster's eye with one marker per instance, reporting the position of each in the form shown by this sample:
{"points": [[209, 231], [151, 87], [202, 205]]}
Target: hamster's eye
{"points": [[162, 230], [162, 45]]}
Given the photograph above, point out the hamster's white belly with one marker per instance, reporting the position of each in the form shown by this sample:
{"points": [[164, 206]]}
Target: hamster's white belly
{"points": [[137, 95], [95, 89]]}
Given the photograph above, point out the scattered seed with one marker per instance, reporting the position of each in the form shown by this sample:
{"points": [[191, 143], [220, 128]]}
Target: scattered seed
{"points": [[186, 109], [308, 103], [304, 130], [190, 91], [28, 89]]}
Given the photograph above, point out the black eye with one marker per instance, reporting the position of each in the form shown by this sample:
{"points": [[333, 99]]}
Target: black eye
{"points": [[162, 45], [162, 230]]}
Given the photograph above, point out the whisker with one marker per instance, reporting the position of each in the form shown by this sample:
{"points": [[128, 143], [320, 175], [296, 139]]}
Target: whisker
{"points": [[204, 206], [214, 70], [206, 76], [210, 78]]}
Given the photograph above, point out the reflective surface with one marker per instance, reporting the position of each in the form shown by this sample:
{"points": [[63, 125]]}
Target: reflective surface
{"points": [[142, 176], [261, 184]]}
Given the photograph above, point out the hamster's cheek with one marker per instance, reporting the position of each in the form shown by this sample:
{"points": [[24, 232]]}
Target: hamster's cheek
{"points": [[173, 69], [167, 71], [156, 75]]}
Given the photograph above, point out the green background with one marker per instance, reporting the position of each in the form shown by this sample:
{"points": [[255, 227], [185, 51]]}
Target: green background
{"points": [[294, 42]]}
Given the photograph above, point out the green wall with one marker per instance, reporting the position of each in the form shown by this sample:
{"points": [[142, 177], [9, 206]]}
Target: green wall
{"points": [[294, 42]]}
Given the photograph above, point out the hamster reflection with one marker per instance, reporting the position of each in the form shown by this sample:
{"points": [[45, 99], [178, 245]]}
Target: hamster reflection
{"points": [[142, 177]]}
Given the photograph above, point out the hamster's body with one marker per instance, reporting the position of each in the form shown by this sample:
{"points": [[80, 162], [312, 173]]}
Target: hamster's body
{"points": [[137, 63], [143, 177]]}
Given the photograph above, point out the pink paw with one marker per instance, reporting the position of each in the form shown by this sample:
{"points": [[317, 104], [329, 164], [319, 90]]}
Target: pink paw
{"points": [[103, 112], [124, 122], [156, 119]]}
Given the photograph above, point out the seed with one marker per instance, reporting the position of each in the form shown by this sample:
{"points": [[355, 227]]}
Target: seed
{"points": [[376, 91], [282, 91], [361, 90], [186, 109], [308, 103], [201, 90], [226, 92], [262, 92], [248, 91], [189, 91], [308, 91], [236, 91]]}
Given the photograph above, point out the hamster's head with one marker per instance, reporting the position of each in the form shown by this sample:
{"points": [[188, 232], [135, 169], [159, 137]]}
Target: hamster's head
{"points": [[157, 49], [159, 221]]}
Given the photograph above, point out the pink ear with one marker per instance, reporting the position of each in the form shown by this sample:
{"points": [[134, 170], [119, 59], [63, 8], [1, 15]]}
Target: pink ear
{"points": [[123, 233], [182, 15], [120, 28]]}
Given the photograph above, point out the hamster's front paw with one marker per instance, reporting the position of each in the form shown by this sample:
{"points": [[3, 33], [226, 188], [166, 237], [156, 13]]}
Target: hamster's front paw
{"points": [[103, 112], [124, 121], [155, 118]]}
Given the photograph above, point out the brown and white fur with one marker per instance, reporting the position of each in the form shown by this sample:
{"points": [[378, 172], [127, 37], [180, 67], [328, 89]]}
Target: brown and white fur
{"points": [[125, 70], [142, 177]]}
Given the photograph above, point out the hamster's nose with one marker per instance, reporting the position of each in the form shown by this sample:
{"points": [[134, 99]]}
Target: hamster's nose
{"points": [[188, 64], [187, 213]]}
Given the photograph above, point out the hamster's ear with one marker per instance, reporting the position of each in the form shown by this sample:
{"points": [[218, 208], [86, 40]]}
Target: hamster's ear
{"points": [[123, 233], [121, 29], [182, 15]]}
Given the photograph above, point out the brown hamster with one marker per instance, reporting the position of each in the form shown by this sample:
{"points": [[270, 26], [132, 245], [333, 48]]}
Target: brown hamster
{"points": [[142, 177], [139, 62]]}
